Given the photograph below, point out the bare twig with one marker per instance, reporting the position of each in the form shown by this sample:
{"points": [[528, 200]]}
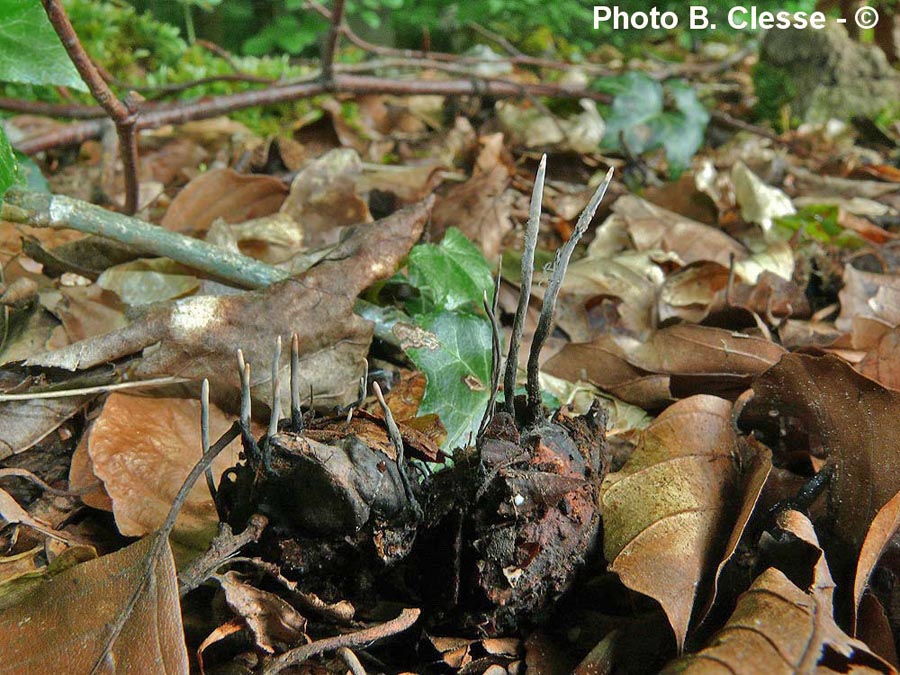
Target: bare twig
{"points": [[363, 637], [342, 83], [518, 327], [329, 49], [221, 549], [350, 660], [122, 115], [545, 322]]}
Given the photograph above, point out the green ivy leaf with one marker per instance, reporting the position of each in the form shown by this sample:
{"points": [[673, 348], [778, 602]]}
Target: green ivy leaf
{"points": [[639, 114], [30, 51], [451, 276], [458, 370], [9, 173]]}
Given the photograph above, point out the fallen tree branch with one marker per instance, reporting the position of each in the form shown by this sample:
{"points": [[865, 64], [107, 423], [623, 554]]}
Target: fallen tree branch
{"points": [[44, 210], [342, 83], [123, 115]]}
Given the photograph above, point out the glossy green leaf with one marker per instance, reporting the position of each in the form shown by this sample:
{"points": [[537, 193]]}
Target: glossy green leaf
{"points": [[639, 114], [8, 169], [30, 51], [450, 276], [457, 364]]}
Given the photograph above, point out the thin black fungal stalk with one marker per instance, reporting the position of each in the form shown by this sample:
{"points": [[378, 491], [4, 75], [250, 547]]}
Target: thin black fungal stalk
{"points": [[397, 441], [491, 310], [545, 322], [275, 411], [361, 397], [296, 416], [247, 440], [204, 435], [518, 327]]}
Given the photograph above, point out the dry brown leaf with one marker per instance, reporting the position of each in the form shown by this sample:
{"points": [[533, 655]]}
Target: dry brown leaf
{"points": [[675, 510], [701, 359], [24, 423], [226, 194], [778, 627], [323, 197], [197, 337], [652, 227], [866, 294], [882, 362], [87, 601], [604, 364], [480, 207], [849, 421], [273, 622], [143, 449]]}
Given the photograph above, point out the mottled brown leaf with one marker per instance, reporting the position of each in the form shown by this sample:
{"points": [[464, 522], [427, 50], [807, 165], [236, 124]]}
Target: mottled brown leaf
{"points": [[65, 624], [226, 194], [853, 424], [197, 337], [778, 627], [676, 509]]}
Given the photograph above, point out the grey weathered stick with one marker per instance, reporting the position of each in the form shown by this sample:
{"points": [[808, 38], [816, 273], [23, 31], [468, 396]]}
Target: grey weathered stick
{"points": [[545, 322], [531, 233], [56, 211]]}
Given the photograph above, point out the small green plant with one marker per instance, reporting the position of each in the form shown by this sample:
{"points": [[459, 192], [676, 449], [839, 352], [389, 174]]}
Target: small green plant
{"points": [[774, 90], [646, 115], [453, 347]]}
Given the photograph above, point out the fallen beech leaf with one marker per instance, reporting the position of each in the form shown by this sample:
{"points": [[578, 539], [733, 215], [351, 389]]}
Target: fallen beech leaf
{"points": [[143, 449], [701, 359], [480, 206], [323, 197], [866, 294], [24, 423], [849, 421], [226, 194], [884, 526], [882, 362], [604, 364], [652, 227], [675, 510], [142, 282], [760, 203], [197, 336], [88, 600], [273, 622], [780, 628]]}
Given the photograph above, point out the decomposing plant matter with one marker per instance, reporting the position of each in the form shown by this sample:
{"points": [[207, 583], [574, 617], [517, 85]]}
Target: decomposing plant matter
{"points": [[508, 526], [519, 511]]}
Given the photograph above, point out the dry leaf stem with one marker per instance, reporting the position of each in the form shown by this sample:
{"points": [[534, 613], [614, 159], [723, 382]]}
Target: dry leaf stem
{"points": [[363, 637]]}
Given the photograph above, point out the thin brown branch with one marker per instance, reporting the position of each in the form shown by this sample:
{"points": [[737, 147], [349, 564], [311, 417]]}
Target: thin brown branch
{"points": [[347, 84], [73, 110], [124, 116], [332, 41], [363, 637]]}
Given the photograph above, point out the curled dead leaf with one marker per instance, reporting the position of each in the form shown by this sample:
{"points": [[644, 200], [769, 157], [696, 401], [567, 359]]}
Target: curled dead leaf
{"points": [[677, 507]]}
